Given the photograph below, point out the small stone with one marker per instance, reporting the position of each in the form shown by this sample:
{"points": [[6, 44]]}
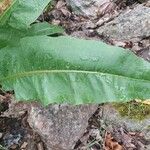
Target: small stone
{"points": [[96, 134], [24, 145], [90, 25], [56, 22], [40, 146], [14, 146]]}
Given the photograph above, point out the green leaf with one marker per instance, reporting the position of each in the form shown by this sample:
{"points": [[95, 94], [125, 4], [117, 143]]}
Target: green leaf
{"points": [[44, 28], [4, 17], [22, 13], [69, 70], [11, 36]]}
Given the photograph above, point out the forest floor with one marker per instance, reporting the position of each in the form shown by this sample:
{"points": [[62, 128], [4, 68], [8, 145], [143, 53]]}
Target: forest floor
{"points": [[15, 132]]}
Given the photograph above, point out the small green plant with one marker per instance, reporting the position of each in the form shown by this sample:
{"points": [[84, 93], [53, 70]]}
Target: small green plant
{"points": [[133, 110], [57, 69]]}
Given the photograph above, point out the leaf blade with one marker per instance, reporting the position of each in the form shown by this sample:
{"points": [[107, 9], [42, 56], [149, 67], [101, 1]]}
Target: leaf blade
{"points": [[4, 16], [21, 13], [72, 79], [81, 88], [11, 36], [27, 12], [44, 28]]}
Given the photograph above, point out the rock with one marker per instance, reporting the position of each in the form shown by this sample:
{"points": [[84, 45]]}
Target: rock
{"points": [[24, 145], [112, 116], [132, 24], [60, 126], [131, 132], [40, 146], [90, 7]]}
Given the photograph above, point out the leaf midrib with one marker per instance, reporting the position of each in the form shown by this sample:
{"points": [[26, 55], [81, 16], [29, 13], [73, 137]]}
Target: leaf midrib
{"points": [[31, 73]]}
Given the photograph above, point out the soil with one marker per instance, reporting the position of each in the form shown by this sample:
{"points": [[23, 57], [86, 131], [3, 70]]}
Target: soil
{"points": [[16, 134]]}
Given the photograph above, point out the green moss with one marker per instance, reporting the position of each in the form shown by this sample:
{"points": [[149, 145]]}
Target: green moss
{"points": [[133, 110]]}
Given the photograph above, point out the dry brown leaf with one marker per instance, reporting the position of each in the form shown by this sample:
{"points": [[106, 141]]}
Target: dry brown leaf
{"points": [[147, 102], [111, 144], [4, 5]]}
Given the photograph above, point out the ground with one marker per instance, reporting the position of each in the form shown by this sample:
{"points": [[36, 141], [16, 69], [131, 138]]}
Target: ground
{"points": [[15, 132]]}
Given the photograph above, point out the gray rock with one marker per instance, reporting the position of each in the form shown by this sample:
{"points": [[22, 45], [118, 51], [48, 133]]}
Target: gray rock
{"points": [[86, 7], [120, 127], [60, 125], [132, 24], [113, 117]]}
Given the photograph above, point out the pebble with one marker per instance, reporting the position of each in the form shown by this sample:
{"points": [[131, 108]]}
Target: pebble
{"points": [[40, 146], [24, 145]]}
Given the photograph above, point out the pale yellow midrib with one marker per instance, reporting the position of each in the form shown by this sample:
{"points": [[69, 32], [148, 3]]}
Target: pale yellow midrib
{"points": [[30, 73]]}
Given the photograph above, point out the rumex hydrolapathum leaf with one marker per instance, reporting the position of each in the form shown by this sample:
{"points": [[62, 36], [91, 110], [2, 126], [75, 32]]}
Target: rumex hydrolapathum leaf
{"points": [[44, 28], [21, 13], [6, 8], [70, 70], [10, 36]]}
